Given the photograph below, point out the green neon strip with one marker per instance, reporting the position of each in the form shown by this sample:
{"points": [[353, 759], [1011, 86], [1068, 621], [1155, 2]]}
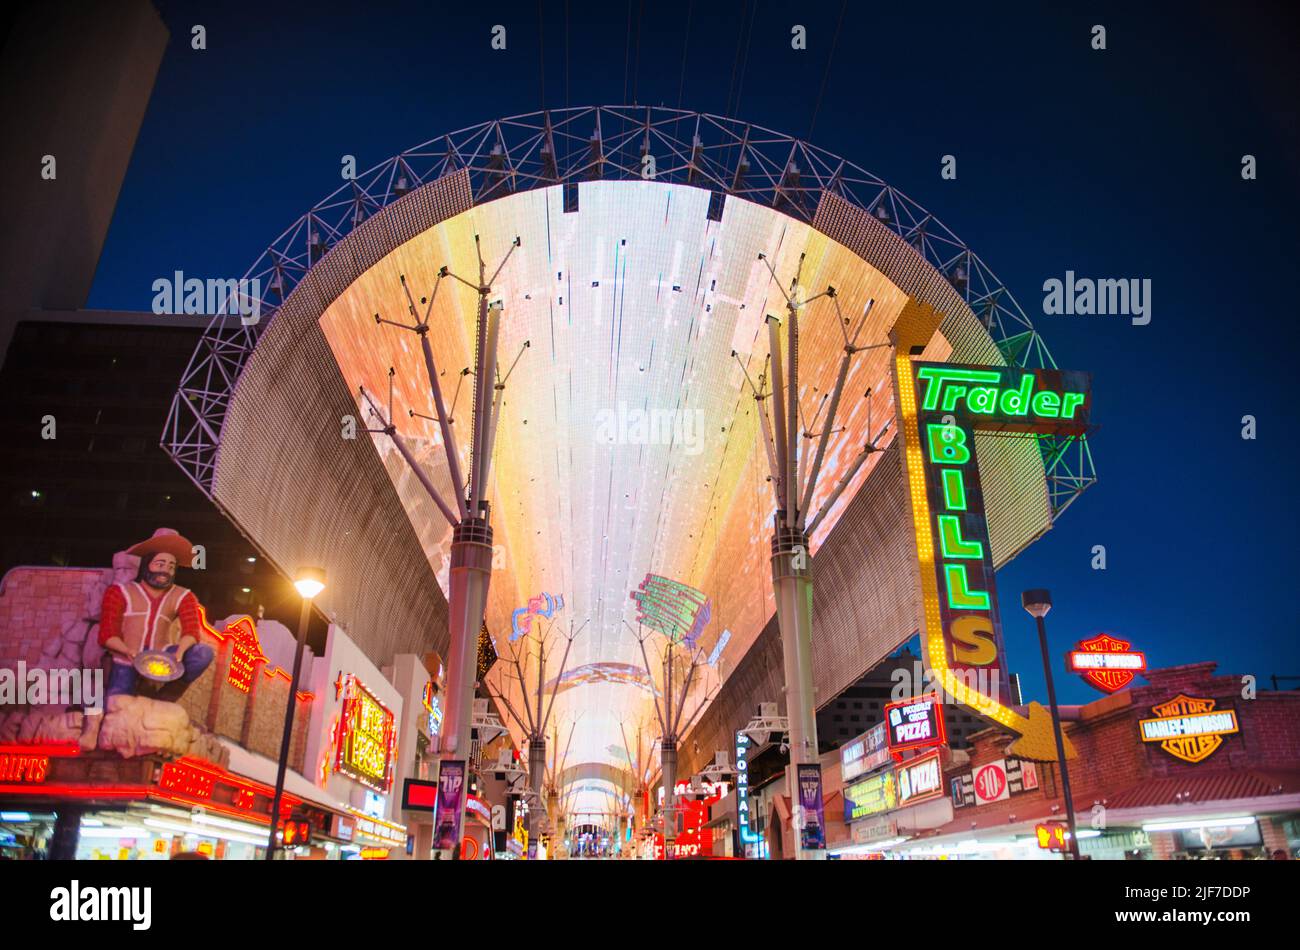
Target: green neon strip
{"points": [[1069, 403], [936, 376], [953, 544], [959, 596], [954, 489], [947, 444]]}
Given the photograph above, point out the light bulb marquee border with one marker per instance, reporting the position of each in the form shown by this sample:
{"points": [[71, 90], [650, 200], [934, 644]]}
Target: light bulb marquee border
{"points": [[360, 702], [940, 407]]}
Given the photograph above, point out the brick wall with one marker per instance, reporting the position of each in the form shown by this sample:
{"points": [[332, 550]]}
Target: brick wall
{"points": [[37, 603], [1112, 757]]}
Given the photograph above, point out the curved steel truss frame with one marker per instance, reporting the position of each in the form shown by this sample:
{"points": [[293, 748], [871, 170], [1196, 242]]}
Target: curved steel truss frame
{"points": [[727, 157]]}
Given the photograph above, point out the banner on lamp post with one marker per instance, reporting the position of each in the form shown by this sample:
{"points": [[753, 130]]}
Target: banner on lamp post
{"points": [[812, 834], [451, 799]]}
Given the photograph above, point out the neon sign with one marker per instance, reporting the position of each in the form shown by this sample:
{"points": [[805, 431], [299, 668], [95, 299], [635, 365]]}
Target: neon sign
{"points": [[920, 779], [747, 834], [366, 736], [676, 610], [433, 705], [26, 764], [1052, 835], [1189, 728], [865, 754], [1007, 398], [871, 796], [1107, 662], [246, 653], [24, 769], [960, 620], [914, 724]]}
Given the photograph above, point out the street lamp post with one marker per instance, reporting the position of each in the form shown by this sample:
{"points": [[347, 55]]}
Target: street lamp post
{"points": [[1038, 603], [309, 582]]}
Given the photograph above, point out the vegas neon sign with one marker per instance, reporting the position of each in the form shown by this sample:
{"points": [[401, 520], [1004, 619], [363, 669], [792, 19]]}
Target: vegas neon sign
{"points": [[1189, 727], [1107, 662], [367, 737], [941, 406], [747, 833]]}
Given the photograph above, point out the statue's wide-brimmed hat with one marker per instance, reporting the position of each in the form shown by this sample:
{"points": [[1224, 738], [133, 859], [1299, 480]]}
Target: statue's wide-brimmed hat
{"points": [[166, 541]]}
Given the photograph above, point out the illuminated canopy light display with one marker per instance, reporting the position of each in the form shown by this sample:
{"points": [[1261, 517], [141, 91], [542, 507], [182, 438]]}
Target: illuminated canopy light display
{"points": [[638, 298], [241, 376], [672, 608]]}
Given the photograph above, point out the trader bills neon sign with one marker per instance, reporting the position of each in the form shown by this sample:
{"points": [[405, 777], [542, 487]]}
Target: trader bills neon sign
{"points": [[940, 408]]}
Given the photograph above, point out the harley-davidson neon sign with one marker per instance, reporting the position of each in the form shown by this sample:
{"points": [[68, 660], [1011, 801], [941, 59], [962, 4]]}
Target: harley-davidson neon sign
{"points": [[1107, 662], [1189, 728]]}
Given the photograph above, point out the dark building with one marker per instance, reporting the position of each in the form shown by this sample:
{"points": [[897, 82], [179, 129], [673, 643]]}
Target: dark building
{"points": [[84, 395], [101, 482], [862, 705]]}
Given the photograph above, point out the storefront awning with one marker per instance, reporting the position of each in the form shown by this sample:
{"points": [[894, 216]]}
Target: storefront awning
{"points": [[1223, 786]]}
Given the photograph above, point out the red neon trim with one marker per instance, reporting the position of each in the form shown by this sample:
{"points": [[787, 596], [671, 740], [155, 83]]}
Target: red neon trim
{"points": [[221, 636], [203, 765], [77, 792], [55, 750]]}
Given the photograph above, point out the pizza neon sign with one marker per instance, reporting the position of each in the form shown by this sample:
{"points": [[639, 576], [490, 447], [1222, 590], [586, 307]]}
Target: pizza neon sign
{"points": [[1107, 662], [1189, 728], [920, 779], [914, 723]]}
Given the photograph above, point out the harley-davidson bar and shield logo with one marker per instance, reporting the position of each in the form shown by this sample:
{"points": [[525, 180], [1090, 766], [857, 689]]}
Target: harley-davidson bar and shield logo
{"points": [[1107, 662], [1188, 728]]}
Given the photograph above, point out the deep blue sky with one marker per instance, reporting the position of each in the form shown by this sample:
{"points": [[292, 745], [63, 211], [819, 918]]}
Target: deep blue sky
{"points": [[1122, 163]]}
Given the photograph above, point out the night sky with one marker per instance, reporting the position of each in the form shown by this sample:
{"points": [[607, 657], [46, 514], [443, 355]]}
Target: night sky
{"points": [[1123, 163]]}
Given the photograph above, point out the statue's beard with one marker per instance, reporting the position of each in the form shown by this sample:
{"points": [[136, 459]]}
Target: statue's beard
{"points": [[158, 580]]}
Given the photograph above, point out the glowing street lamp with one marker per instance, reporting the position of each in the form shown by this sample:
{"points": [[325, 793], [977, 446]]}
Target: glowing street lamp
{"points": [[1037, 603], [309, 581]]}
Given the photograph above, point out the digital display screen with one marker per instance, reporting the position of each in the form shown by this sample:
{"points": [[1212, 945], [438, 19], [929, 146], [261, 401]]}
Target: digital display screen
{"points": [[628, 444]]}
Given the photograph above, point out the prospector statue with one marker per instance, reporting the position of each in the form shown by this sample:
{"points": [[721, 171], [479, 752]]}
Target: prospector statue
{"points": [[153, 613]]}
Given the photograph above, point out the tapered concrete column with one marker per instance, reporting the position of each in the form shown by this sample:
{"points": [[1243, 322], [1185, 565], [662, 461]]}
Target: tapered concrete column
{"points": [[471, 570], [792, 581], [536, 777], [668, 768]]}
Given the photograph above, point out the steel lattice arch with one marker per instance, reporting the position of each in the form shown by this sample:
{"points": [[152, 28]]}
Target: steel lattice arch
{"points": [[254, 421], [592, 143]]}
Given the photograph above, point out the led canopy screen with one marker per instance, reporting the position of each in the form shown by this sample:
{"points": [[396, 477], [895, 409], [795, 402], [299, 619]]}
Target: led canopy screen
{"points": [[628, 444]]}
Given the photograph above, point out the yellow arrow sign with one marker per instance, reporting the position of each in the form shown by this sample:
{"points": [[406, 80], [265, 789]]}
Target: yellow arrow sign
{"points": [[914, 328]]}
